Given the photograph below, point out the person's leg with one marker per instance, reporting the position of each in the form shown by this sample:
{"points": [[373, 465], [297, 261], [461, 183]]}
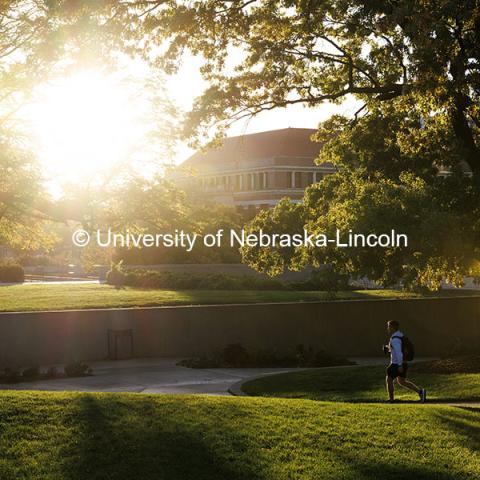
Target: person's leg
{"points": [[390, 387], [408, 384]]}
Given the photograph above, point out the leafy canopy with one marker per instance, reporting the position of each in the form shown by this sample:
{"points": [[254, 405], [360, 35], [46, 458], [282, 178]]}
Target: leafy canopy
{"points": [[409, 158]]}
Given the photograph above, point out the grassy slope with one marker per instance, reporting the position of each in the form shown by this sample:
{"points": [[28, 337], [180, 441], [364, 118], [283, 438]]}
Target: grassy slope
{"points": [[98, 436], [362, 384], [72, 296]]}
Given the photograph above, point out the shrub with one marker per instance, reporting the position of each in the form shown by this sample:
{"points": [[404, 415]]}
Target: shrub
{"points": [[235, 355], [11, 272], [52, 372], [190, 281], [11, 376], [461, 364], [31, 373], [29, 260], [77, 369], [116, 275], [324, 279]]}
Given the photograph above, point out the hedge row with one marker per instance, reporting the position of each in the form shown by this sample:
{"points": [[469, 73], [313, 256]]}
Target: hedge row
{"points": [[322, 280], [189, 281], [237, 356], [11, 272]]}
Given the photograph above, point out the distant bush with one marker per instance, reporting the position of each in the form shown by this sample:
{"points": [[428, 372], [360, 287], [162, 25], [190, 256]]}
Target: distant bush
{"points": [[52, 372], [460, 364], [74, 369], [190, 281], [116, 275], [325, 279], [11, 375], [237, 356], [28, 260], [234, 355], [31, 373], [11, 272], [77, 369]]}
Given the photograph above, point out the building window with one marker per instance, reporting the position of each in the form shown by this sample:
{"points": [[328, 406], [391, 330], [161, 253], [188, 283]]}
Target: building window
{"points": [[255, 183], [244, 182], [289, 179], [309, 178], [298, 180]]}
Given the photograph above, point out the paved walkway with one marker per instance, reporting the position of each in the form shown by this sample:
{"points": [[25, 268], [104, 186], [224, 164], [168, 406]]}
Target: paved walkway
{"points": [[149, 376], [162, 375]]}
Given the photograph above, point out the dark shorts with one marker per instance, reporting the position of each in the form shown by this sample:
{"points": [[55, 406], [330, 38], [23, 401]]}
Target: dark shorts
{"points": [[392, 371]]}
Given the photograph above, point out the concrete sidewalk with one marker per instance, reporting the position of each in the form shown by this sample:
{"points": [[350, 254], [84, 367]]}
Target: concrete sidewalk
{"points": [[160, 375]]}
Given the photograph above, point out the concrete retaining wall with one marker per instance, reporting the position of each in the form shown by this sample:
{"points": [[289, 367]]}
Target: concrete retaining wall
{"points": [[353, 328]]}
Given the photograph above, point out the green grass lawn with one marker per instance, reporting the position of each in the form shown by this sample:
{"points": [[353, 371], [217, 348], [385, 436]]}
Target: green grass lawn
{"points": [[26, 297], [133, 436], [363, 384]]}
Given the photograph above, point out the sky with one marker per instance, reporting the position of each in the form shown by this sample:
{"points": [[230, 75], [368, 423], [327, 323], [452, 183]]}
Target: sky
{"points": [[87, 123], [187, 84]]}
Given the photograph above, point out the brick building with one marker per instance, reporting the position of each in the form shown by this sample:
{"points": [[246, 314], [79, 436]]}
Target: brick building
{"points": [[254, 171]]}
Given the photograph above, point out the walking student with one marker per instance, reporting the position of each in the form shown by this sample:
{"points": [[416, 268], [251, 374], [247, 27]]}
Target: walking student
{"points": [[401, 350]]}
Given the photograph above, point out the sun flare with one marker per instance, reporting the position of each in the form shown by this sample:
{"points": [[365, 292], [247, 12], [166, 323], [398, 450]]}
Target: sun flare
{"points": [[85, 123]]}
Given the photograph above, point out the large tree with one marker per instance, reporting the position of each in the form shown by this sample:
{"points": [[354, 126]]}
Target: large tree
{"points": [[408, 159], [41, 40], [413, 67]]}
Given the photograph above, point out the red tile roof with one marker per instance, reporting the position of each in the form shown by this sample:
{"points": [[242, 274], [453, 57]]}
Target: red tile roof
{"points": [[234, 151]]}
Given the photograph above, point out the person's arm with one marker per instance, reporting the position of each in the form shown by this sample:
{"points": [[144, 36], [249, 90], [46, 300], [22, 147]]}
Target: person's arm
{"points": [[397, 355]]}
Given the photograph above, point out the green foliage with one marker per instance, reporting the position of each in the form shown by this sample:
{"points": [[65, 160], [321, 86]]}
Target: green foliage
{"points": [[447, 366], [32, 260], [77, 369], [412, 67], [440, 219], [325, 279], [189, 281], [11, 375], [21, 223], [311, 52], [234, 355], [287, 217], [200, 219], [11, 272], [116, 275], [237, 356], [31, 373]]}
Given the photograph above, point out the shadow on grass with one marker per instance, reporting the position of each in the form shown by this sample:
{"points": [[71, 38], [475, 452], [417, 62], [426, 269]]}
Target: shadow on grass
{"points": [[363, 384], [396, 469], [460, 422], [152, 441]]}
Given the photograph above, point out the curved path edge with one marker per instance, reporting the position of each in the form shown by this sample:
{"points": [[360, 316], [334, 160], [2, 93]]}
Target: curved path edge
{"points": [[236, 390]]}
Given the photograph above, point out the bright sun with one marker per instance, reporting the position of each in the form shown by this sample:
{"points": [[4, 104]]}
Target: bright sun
{"points": [[84, 124]]}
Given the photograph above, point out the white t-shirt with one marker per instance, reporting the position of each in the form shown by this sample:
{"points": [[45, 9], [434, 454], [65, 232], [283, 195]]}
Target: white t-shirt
{"points": [[396, 354]]}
